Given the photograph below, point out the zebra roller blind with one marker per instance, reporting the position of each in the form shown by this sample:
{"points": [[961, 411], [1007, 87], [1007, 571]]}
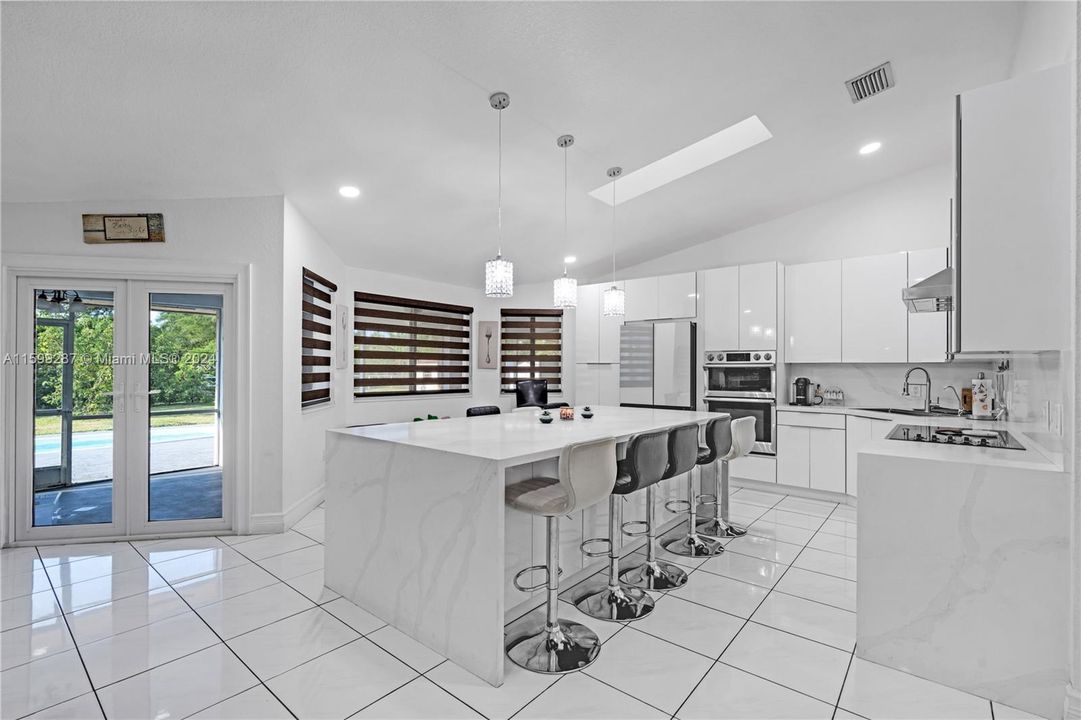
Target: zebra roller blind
{"points": [[316, 331], [531, 346], [404, 346]]}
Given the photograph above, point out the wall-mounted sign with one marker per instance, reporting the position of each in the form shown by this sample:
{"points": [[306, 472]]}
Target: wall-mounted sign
{"points": [[144, 227]]}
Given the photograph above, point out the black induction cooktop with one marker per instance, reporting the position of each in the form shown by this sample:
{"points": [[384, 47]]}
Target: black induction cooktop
{"points": [[972, 437]]}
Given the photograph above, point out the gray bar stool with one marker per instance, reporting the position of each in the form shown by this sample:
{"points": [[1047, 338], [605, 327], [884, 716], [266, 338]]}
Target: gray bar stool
{"points": [[646, 457], [740, 443], [587, 473], [683, 457], [656, 574]]}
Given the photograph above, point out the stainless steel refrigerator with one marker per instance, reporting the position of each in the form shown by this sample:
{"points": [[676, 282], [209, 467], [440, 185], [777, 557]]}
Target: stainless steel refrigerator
{"points": [[656, 365]]}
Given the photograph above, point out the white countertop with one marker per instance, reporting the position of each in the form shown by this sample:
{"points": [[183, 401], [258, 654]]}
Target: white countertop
{"points": [[519, 436], [1036, 455]]}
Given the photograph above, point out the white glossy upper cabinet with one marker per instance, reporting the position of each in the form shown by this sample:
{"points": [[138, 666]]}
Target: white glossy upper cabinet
{"points": [[677, 296], [926, 331], [813, 312], [757, 307], [1013, 238], [718, 308], [586, 324], [607, 329], [641, 299], [874, 320]]}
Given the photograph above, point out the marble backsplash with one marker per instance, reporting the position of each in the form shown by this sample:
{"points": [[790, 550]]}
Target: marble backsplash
{"points": [[879, 384]]}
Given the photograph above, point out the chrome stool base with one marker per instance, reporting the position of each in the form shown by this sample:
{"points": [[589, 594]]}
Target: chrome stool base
{"points": [[556, 649], [694, 545], [655, 575], [717, 528], [623, 603]]}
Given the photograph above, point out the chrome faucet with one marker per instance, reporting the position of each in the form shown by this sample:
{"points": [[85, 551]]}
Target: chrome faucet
{"points": [[905, 392], [960, 405]]}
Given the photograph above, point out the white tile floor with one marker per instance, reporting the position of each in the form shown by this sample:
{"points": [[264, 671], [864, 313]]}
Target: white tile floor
{"points": [[242, 627]]}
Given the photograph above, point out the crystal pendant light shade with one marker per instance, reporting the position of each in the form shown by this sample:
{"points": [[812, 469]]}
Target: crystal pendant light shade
{"points": [[565, 292], [614, 302], [499, 278]]}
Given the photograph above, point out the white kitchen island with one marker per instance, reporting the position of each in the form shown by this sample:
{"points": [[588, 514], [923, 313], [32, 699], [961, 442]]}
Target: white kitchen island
{"points": [[962, 565], [416, 528]]}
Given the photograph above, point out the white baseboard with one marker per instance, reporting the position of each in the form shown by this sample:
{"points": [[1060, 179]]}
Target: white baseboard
{"points": [[296, 512], [808, 493], [1072, 708], [265, 523]]}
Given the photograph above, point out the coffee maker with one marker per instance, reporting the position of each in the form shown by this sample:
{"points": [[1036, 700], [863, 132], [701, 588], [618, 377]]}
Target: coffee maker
{"points": [[804, 392]]}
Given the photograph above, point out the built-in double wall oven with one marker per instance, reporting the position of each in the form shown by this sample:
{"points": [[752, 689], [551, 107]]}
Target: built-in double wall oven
{"points": [[744, 384]]}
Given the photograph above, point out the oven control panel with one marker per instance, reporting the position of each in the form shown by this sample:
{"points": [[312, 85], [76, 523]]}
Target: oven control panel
{"points": [[715, 357]]}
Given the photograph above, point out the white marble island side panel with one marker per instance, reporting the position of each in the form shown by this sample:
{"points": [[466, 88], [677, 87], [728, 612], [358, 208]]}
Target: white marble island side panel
{"points": [[415, 537], [962, 573]]}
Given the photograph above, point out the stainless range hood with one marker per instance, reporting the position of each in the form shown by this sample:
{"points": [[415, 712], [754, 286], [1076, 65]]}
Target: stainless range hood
{"points": [[933, 294]]}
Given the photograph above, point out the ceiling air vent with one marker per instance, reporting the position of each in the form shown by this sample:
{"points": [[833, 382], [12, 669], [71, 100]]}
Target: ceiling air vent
{"points": [[870, 83]]}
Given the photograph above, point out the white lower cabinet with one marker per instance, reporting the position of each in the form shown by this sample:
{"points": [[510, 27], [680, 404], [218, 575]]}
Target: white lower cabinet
{"points": [[812, 457], [859, 432], [794, 455], [596, 384]]}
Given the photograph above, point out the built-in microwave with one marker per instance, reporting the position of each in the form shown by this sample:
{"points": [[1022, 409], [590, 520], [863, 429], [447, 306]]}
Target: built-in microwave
{"points": [[740, 374], [764, 412]]}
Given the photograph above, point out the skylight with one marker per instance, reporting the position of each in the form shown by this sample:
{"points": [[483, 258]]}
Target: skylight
{"points": [[726, 143]]}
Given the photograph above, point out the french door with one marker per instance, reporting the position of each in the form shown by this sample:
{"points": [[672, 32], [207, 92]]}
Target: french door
{"points": [[123, 408]]}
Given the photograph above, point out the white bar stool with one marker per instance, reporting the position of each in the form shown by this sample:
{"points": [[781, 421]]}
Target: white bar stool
{"points": [[742, 431]]}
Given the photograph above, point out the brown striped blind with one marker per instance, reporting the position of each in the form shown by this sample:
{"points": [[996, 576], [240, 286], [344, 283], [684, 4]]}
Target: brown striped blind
{"points": [[531, 347], [316, 337], [403, 346]]}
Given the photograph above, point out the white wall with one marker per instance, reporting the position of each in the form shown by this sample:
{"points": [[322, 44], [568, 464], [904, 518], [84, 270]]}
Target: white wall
{"points": [[241, 231], [1047, 36], [906, 213]]}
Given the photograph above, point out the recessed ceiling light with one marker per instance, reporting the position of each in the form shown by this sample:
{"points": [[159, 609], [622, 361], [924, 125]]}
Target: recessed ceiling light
{"points": [[726, 143], [870, 147], [349, 191], [569, 259]]}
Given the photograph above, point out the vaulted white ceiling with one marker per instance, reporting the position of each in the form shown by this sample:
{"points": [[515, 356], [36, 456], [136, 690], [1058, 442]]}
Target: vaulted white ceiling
{"points": [[176, 100]]}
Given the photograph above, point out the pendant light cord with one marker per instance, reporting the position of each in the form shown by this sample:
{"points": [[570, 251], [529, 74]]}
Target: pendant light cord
{"points": [[565, 236], [614, 231], [499, 249]]}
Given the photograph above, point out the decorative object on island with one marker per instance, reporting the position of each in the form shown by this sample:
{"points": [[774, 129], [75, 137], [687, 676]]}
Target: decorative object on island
{"points": [[614, 297], [136, 228], [487, 355], [499, 273], [587, 412], [565, 289], [545, 417], [566, 413]]}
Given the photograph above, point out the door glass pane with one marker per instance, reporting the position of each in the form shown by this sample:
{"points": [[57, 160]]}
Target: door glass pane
{"points": [[185, 409], [73, 407]]}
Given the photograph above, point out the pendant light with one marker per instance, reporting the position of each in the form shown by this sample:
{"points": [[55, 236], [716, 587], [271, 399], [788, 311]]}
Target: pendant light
{"points": [[499, 273], [614, 298], [565, 289]]}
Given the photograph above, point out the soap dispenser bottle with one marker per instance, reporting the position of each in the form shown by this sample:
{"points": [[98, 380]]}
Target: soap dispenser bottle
{"points": [[982, 394]]}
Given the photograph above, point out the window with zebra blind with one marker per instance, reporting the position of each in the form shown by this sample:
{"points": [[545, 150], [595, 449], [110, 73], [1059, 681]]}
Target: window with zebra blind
{"points": [[317, 330], [531, 347], [404, 346]]}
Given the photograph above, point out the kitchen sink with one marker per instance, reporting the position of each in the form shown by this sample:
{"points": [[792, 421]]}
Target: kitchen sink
{"points": [[915, 412]]}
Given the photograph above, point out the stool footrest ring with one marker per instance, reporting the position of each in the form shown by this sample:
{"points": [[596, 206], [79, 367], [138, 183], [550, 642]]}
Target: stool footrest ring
{"points": [[707, 499], [530, 569], [596, 553], [635, 533], [684, 506]]}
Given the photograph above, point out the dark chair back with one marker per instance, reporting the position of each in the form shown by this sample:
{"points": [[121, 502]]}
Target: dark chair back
{"points": [[645, 462], [482, 410], [531, 393], [682, 449], [718, 439]]}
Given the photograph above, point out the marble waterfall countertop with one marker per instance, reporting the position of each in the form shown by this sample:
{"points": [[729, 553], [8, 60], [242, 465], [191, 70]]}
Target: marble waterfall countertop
{"points": [[519, 437], [1036, 456]]}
